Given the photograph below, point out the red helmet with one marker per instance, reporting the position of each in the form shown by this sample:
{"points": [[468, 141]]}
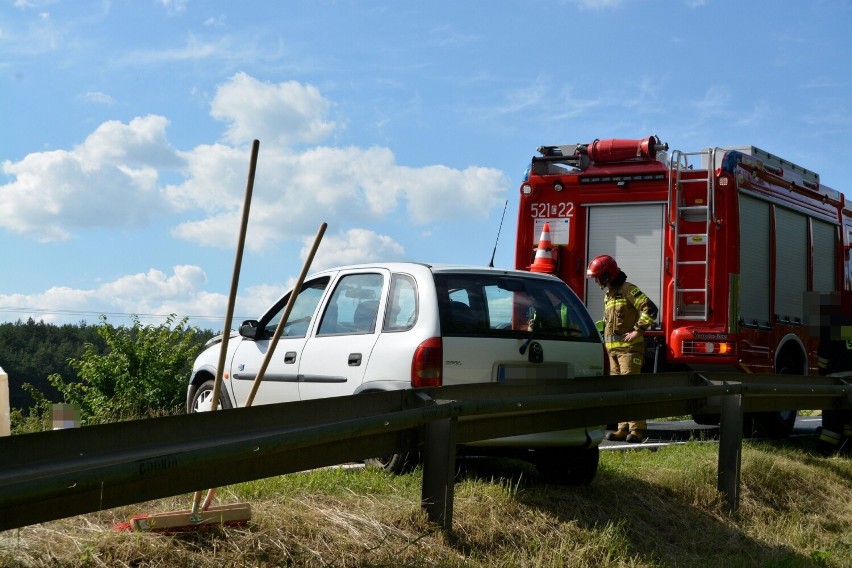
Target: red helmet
{"points": [[603, 268]]}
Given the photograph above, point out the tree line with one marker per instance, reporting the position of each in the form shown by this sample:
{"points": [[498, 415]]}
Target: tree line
{"points": [[110, 372]]}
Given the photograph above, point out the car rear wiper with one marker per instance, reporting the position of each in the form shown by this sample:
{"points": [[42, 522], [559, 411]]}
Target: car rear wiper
{"points": [[533, 334]]}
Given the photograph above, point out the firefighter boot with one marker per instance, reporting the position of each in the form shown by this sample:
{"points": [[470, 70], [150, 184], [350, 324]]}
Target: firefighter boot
{"points": [[635, 437], [637, 432], [828, 442], [846, 443], [618, 436]]}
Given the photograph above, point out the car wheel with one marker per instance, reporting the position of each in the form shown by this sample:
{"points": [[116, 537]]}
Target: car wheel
{"points": [[706, 419], [395, 463], [204, 395], [567, 466], [775, 425]]}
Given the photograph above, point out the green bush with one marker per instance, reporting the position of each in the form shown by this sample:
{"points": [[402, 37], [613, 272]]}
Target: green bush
{"points": [[143, 373]]}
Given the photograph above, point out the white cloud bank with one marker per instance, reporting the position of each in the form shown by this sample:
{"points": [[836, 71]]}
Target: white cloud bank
{"points": [[116, 178]]}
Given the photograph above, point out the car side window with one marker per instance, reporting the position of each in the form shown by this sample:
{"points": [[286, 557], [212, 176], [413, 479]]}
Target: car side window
{"points": [[354, 305], [302, 312], [499, 302], [467, 309], [401, 313], [553, 312]]}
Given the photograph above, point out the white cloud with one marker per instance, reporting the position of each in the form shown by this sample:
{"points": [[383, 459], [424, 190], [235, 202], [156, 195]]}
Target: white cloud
{"points": [[174, 6], [193, 50], [153, 285], [152, 293], [98, 98], [214, 175], [352, 247], [116, 177], [341, 186], [284, 113], [438, 193], [34, 35], [716, 102], [215, 21], [598, 4], [109, 180]]}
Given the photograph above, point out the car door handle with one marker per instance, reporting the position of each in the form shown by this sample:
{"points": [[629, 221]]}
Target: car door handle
{"points": [[290, 357], [354, 359]]}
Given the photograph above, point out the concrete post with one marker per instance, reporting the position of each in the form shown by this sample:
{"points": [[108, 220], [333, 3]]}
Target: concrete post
{"points": [[5, 409]]}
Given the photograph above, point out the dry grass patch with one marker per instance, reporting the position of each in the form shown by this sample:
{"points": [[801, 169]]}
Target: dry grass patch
{"points": [[645, 509]]}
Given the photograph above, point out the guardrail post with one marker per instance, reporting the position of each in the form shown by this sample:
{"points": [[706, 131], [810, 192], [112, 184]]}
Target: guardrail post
{"points": [[439, 470], [730, 448]]}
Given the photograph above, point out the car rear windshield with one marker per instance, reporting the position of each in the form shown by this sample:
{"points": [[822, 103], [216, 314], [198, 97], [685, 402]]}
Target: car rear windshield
{"points": [[502, 305]]}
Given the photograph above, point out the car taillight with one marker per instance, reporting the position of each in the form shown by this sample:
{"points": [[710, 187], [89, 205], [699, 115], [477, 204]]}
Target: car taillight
{"points": [[426, 366]]}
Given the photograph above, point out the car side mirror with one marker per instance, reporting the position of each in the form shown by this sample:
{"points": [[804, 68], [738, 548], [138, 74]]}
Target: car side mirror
{"points": [[249, 329]]}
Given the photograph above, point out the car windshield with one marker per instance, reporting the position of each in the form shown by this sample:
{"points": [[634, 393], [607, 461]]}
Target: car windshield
{"points": [[501, 305]]}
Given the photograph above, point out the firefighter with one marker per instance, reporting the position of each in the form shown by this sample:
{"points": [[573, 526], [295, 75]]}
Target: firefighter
{"points": [[834, 357], [628, 312]]}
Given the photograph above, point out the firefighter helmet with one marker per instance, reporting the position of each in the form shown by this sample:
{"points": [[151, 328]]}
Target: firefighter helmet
{"points": [[603, 268]]}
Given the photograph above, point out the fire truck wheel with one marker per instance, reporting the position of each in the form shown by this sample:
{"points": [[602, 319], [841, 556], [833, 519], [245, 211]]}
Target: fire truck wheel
{"points": [[567, 466], [779, 425]]}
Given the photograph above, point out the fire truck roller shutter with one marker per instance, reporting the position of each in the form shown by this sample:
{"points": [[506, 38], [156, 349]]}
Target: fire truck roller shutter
{"points": [[825, 239], [754, 261], [633, 236], [791, 266]]}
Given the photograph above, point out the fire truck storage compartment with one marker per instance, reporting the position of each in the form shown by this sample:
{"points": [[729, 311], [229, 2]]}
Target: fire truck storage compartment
{"points": [[791, 265], [754, 261], [825, 259], [791, 261], [633, 235]]}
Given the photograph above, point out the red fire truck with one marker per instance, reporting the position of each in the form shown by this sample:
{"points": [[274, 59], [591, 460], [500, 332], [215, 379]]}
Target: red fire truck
{"points": [[726, 241]]}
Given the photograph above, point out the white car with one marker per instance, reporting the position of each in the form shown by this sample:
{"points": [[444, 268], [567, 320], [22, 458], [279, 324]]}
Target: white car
{"points": [[384, 326]]}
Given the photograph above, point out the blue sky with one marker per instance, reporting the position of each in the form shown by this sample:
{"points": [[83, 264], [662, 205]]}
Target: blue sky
{"points": [[127, 128]]}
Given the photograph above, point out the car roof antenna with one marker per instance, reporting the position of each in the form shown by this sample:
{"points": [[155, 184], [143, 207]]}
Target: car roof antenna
{"points": [[494, 252]]}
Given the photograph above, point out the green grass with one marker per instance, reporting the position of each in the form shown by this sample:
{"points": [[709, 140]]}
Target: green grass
{"points": [[645, 508]]}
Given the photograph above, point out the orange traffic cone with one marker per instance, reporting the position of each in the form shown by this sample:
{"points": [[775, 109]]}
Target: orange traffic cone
{"points": [[543, 261]]}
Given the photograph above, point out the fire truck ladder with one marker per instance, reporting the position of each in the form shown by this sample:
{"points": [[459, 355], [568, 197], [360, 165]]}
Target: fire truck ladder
{"points": [[691, 200]]}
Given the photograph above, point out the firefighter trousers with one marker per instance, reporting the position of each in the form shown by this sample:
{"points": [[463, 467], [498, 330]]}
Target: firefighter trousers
{"points": [[628, 361], [836, 433]]}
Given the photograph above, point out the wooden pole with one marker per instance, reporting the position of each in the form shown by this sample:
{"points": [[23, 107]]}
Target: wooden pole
{"points": [[229, 314], [289, 308]]}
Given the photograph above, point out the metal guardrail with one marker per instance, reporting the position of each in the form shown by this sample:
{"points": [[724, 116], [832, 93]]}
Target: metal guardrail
{"points": [[61, 473]]}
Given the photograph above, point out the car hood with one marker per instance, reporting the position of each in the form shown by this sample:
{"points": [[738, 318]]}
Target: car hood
{"points": [[216, 340]]}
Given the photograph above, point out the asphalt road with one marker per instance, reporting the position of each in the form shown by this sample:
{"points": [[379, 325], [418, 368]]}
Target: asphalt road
{"points": [[663, 433]]}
